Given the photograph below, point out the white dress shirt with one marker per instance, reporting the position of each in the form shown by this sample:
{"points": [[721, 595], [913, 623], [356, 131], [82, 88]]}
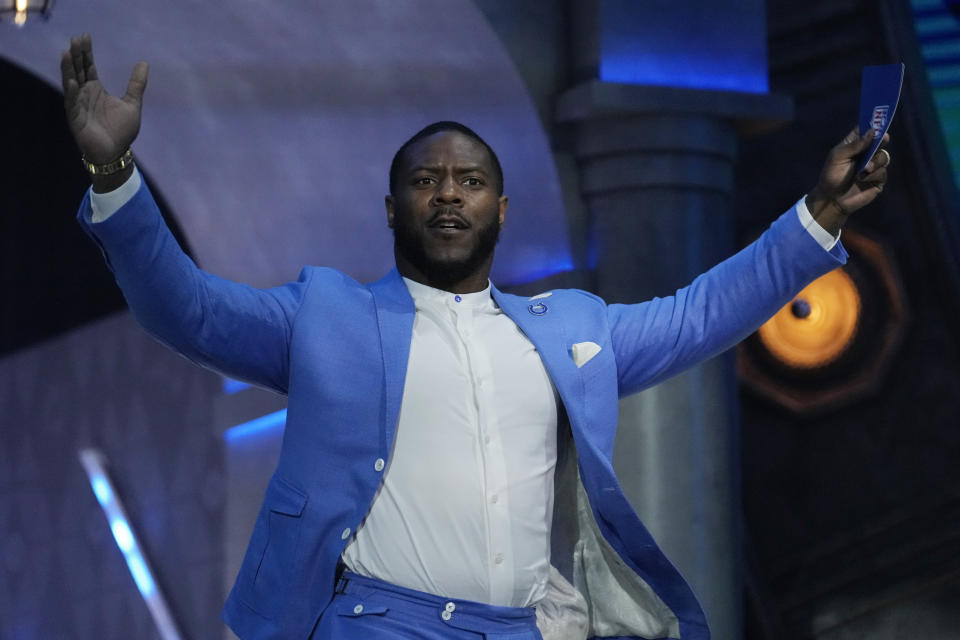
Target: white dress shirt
{"points": [[466, 503]]}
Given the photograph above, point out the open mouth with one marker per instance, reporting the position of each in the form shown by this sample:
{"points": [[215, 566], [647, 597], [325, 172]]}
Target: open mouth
{"points": [[446, 223], [450, 224]]}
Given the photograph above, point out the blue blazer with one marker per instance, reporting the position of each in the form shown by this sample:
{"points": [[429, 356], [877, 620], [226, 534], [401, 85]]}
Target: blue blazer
{"points": [[339, 350]]}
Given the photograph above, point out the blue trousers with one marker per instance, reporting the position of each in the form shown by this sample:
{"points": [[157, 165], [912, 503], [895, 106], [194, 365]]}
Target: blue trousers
{"points": [[368, 609]]}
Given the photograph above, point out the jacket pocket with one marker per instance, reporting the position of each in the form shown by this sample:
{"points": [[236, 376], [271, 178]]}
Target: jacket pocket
{"points": [[269, 563]]}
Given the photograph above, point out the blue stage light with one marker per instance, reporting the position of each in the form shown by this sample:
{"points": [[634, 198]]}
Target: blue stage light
{"points": [[231, 386], [94, 464], [706, 46], [275, 420], [559, 265], [936, 25], [938, 30], [694, 73], [122, 534], [141, 575], [101, 489]]}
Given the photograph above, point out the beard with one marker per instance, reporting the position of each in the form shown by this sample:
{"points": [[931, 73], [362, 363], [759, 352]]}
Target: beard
{"points": [[410, 243]]}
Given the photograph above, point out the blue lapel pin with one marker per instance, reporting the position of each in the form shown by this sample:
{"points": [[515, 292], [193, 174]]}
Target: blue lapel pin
{"points": [[537, 309]]}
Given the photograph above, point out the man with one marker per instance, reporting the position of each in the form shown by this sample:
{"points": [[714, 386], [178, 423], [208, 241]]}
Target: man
{"points": [[446, 466]]}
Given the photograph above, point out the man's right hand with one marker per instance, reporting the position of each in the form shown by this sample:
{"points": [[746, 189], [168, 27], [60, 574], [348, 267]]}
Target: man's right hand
{"points": [[103, 126]]}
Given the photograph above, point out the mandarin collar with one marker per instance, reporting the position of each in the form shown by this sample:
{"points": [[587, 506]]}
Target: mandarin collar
{"points": [[424, 294]]}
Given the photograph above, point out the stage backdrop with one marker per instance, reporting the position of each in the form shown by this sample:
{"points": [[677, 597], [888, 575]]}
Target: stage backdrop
{"points": [[269, 129]]}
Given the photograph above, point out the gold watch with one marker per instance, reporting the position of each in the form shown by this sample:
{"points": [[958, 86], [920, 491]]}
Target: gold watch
{"points": [[118, 165]]}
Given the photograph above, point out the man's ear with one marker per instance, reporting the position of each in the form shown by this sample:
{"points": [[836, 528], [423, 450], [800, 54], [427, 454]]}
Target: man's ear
{"points": [[388, 202], [503, 208]]}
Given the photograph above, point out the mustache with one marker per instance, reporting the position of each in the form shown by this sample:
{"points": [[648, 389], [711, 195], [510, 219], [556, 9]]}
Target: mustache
{"points": [[445, 213]]}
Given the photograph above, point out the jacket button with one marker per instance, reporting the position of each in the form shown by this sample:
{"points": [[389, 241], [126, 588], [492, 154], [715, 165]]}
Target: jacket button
{"points": [[358, 609], [378, 465], [446, 615], [345, 534], [451, 607]]}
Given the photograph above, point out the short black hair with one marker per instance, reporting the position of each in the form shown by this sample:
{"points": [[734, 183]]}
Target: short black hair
{"points": [[438, 127]]}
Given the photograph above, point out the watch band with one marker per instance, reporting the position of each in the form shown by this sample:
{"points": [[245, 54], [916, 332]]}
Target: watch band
{"points": [[118, 165]]}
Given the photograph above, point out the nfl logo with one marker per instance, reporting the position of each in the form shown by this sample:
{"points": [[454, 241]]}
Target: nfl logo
{"points": [[880, 116]]}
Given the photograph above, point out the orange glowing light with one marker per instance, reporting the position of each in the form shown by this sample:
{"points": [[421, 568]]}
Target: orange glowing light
{"points": [[818, 325]]}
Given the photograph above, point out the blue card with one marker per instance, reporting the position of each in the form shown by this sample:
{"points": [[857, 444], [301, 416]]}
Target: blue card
{"points": [[879, 95]]}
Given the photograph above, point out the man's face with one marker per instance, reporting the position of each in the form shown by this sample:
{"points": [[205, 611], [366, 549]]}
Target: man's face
{"points": [[446, 213]]}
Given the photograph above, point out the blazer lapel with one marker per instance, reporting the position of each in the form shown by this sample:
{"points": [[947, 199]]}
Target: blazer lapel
{"points": [[395, 313], [547, 329]]}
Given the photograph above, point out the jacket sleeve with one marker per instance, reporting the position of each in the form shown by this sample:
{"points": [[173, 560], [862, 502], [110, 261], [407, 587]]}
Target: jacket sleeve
{"points": [[230, 327], [662, 337]]}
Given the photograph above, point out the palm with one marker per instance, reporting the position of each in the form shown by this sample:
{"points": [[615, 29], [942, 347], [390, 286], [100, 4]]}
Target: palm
{"points": [[102, 125], [842, 179]]}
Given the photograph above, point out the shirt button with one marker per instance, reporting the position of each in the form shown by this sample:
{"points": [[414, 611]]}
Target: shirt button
{"points": [[345, 534], [494, 498], [498, 558], [446, 615], [486, 439], [358, 609], [378, 465], [451, 607], [457, 298]]}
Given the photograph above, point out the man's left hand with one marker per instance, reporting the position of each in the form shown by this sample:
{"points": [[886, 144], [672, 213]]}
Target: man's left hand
{"points": [[840, 190]]}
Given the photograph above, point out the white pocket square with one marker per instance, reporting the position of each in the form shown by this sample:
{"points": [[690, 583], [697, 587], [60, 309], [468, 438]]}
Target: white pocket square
{"points": [[583, 352]]}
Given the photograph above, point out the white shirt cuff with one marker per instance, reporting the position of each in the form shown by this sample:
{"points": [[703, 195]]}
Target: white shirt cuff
{"points": [[821, 235], [106, 204]]}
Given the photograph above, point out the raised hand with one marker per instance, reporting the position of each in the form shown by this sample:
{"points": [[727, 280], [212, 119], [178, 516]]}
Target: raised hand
{"points": [[102, 125], [840, 190]]}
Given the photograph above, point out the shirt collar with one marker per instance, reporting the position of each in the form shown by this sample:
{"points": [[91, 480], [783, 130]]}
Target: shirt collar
{"points": [[423, 294]]}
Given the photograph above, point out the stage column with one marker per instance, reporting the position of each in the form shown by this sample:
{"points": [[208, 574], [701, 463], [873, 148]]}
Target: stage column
{"points": [[656, 175]]}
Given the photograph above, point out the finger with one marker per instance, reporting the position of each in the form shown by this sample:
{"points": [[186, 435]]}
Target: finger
{"points": [[853, 144], [137, 84], [869, 192], [880, 159], [873, 179], [66, 71], [851, 137], [71, 89], [862, 199], [87, 51], [76, 56]]}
